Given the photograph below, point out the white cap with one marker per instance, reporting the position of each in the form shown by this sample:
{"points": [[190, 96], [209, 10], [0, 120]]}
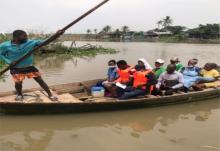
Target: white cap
{"points": [[160, 61]]}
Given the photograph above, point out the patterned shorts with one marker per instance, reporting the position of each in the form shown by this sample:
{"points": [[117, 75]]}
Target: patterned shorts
{"points": [[19, 74]]}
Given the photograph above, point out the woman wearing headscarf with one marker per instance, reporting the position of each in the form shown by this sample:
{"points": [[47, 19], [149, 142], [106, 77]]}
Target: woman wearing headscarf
{"points": [[144, 62]]}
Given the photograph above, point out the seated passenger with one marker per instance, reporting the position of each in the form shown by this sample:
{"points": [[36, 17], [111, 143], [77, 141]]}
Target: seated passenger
{"points": [[144, 62], [159, 69], [190, 74], [112, 71], [170, 81], [124, 72], [210, 77], [209, 73], [112, 74], [142, 83], [176, 61]]}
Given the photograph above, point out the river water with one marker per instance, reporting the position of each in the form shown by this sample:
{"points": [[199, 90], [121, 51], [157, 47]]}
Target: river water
{"points": [[191, 127]]}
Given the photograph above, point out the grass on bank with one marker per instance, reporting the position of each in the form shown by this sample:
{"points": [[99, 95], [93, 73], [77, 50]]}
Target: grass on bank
{"points": [[2, 65]]}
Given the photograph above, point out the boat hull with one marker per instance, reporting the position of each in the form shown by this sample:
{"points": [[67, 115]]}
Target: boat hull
{"points": [[114, 104]]}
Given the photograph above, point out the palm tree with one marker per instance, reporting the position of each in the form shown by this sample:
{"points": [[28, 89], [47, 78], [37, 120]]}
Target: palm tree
{"points": [[167, 21], [117, 33], [107, 29], [95, 31], [88, 31], [125, 29]]}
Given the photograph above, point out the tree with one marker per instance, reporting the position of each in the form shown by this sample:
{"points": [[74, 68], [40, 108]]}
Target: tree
{"points": [[117, 33], [205, 31], [176, 29], [159, 23], [125, 29], [88, 31], [95, 31], [107, 29], [167, 21]]}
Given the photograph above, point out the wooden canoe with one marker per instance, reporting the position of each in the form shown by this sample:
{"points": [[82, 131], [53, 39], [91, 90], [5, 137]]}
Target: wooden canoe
{"points": [[75, 97]]}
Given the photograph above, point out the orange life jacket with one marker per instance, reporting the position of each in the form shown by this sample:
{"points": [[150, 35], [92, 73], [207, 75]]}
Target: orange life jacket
{"points": [[140, 78], [124, 75]]}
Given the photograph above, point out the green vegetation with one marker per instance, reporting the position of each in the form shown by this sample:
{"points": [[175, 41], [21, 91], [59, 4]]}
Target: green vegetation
{"points": [[107, 29], [2, 65], [4, 38], [84, 51], [167, 21], [208, 31], [173, 39], [165, 32]]}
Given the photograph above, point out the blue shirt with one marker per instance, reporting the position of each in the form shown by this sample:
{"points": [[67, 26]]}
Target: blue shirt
{"points": [[10, 52], [112, 74], [190, 75]]}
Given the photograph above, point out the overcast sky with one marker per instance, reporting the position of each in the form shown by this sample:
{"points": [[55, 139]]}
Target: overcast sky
{"points": [[139, 15]]}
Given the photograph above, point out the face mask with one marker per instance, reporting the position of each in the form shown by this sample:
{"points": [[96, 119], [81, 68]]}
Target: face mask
{"points": [[111, 67]]}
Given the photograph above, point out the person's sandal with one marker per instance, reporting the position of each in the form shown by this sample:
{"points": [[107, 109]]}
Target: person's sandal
{"points": [[19, 98], [53, 98]]}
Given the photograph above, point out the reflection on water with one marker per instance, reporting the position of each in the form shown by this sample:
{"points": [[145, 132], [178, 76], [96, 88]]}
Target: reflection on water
{"points": [[178, 127], [54, 62]]}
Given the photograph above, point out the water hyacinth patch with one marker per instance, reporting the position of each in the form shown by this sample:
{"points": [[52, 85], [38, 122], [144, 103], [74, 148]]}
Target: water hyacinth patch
{"points": [[83, 51]]}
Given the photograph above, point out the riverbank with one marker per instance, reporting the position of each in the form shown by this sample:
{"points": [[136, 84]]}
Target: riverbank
{"points": [[97, 38], [165, 39]]}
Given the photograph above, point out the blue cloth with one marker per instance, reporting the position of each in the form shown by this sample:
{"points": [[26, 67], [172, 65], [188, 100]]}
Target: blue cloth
{"points": [[206, 79], [190, 76], [112, 74], [10, 52]]}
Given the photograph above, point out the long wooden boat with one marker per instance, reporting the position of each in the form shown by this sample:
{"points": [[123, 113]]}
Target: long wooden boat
{"points": [[76, 97]]}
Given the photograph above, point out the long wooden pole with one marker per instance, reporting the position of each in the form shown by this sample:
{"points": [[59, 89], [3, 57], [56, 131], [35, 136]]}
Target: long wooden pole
{"points": [[53, 37]]}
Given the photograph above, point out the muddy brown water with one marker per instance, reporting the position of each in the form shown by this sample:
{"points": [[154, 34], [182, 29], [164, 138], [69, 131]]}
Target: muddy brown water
{"points": [[191, 127]]}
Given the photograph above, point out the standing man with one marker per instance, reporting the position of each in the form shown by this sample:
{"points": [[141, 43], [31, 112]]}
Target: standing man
{"points": [[11, 51]]}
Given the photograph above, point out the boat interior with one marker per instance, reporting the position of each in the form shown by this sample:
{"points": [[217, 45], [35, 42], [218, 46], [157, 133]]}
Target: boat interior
{"points": [[78, 92]]}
